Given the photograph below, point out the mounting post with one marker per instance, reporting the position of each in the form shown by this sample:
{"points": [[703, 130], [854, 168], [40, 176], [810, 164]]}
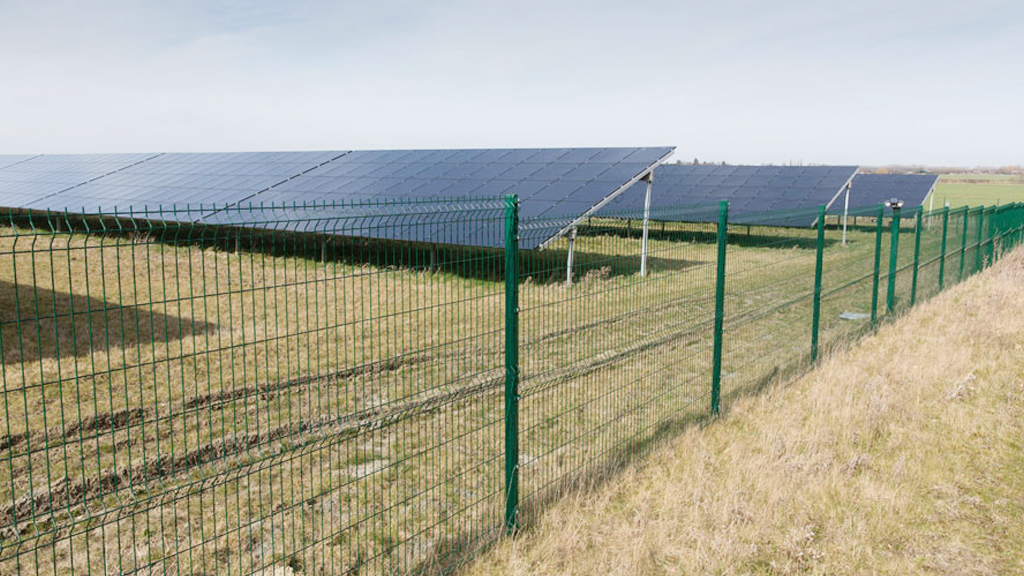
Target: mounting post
{"points": [[716, 353], [511, 363], [942, 249], [977, 250], [846, 211], [818, 261], [931, 208], [894, 251], [878, 258], [917, 255], [647, 215], [569, 257], [963, 243]]}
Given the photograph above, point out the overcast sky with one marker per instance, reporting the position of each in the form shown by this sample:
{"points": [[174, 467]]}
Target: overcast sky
{"points": [[813, 81]]}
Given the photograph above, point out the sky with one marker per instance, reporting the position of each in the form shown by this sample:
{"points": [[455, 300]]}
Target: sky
{"points": [[788, 81]]}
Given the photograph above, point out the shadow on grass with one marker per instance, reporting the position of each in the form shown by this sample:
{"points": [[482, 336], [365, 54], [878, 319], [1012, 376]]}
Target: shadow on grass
{"points": [[740, 235], [549, 267], [614, 251], [39, 324]]}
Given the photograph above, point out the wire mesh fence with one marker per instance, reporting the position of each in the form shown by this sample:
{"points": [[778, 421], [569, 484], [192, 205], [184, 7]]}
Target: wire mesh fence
{"points": [[330, 389]]}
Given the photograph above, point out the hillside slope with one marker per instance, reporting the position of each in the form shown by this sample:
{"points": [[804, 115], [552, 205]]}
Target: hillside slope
{"points": [[903, 455]]}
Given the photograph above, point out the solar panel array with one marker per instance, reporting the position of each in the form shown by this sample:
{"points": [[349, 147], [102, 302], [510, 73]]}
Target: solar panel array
{"points": [[33, 181], [761, 195], [177, 180], [870, 190], [566, 182], [11, 159]]}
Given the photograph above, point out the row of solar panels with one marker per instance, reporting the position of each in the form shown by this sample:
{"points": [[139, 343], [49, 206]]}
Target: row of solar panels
{"points": [[548, 181], [772, 195], [557, 187]]}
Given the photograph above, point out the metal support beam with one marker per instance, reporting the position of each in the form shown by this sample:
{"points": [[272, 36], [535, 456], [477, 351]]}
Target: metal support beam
{"points": [[818, 262], [931, 207], [894, 252], [716, 351], [846, 211], [568, 258], [647, 217], [878, 259], [511, 364]]}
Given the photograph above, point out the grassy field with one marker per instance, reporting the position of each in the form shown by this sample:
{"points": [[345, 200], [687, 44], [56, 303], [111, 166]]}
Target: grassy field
{"points": [[978, 190], [890, 459], [188, 408]]}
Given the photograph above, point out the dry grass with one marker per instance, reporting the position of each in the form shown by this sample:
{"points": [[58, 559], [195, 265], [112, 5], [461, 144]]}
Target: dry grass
{"points": [[902, 456]]}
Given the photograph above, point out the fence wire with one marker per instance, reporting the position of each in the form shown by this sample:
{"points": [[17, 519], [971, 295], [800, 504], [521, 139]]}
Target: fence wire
{"points": [[350, 389]]}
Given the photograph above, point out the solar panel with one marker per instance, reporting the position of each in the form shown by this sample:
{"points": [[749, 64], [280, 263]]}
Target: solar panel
{"points": [[760, 195], [12, 159], [869, 190], [174, 181], [555, 185], [34, 179]]}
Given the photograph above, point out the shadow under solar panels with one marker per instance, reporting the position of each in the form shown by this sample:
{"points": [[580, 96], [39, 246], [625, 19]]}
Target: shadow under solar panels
{"points": [[757, 195]]}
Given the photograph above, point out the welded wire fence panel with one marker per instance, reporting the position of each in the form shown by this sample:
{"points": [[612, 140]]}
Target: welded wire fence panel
{"points": [[847, 278], [187, 399], [615, 343], [934, 225], [353, 389], [769, 284]]}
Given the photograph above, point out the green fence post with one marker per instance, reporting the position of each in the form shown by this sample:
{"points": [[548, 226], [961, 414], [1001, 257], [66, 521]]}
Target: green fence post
{"points": [[878, 258], [977, 249], [917, 255], [942, 252], [991, 251], [1015, 224], [716, 366], [1009, 227], [816, 315], [511, 363], [894, 252], [963, 242], [1004, 229]]}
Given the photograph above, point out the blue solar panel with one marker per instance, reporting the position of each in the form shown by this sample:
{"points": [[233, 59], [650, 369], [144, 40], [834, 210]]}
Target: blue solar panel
{"points": [[172, 181], [568, 182], [36, 179], [757, 195], [12, 159], [870, 190]]}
